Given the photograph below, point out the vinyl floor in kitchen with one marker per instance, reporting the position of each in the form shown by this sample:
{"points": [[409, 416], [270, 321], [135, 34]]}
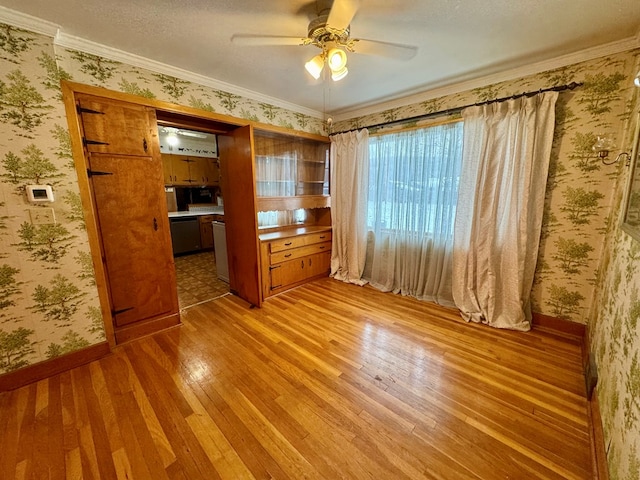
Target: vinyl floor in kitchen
{"points": [[197, 279]]}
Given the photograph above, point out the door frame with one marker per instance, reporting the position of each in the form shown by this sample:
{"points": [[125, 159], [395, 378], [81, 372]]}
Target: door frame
{"points": [[167, 114]]}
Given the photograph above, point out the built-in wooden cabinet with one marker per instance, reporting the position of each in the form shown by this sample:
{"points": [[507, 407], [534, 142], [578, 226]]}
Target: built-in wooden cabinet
{"points": [[206, 231], [184, 170], [290, 257], [291, 172], [133, 249], [283, 177]]}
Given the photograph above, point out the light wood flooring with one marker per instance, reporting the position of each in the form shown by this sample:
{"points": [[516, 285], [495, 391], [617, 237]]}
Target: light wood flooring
{"points": [[197, 279], [327, 381]]}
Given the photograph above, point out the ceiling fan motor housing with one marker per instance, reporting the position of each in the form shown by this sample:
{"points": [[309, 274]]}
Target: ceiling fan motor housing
{"points": [[320, 33]]}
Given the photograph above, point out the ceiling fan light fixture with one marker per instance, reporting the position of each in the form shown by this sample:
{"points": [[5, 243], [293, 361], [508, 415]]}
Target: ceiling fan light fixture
{"points": [[339, 75], [315, 66], [337, 59]]}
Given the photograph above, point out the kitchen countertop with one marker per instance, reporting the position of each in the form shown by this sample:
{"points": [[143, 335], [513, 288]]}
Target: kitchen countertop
{"points": [[197, 213]]}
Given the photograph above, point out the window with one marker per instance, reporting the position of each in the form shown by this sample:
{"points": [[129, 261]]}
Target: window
{"points": [[413, 180]]}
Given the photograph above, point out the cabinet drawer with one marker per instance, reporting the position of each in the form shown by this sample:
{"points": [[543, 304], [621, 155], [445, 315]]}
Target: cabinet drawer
{"points": [[299, 241], [205, 219], [294, 253]]}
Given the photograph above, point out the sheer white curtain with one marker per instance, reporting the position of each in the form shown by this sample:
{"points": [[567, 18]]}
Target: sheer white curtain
{"points": [[349, 173], [413, 187], [502, 187]]}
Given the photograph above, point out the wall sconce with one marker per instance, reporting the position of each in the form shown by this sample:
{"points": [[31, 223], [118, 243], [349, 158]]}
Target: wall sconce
{"points": [[603, 147]]}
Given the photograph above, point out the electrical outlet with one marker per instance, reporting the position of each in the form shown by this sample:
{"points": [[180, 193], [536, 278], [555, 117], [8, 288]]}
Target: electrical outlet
{"points": [[42, 216]]}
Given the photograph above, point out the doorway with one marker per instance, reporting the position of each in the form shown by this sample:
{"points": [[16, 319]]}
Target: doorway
{"points": [[197, 278]]}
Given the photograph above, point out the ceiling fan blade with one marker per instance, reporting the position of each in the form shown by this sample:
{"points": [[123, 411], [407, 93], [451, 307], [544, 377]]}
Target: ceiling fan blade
{"points": [[383, 49], [258, 40], [342, 13]]}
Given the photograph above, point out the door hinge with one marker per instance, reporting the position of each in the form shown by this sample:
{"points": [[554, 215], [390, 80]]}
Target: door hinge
{"points": [[86, 142], [91, 173], [118, 312], [88, 110]]}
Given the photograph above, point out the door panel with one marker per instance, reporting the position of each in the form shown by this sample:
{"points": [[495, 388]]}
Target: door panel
{"points": [[119, 127], [238, 191], [133, 223]]}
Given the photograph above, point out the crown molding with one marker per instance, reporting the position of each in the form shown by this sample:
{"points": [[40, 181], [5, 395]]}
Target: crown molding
{"points": [[27, 22], [34, 24], [443, 89], [87, 46]]}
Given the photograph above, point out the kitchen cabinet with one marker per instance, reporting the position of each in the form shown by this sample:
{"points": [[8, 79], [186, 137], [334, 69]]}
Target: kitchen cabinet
{"points": [[184, 170], [290, 257], [206, 231], [134, 251]]}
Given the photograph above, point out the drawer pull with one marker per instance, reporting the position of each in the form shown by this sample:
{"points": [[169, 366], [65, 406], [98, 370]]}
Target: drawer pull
{"points": [[287, 244], [321, 237], [321, 247], [287, 255]]}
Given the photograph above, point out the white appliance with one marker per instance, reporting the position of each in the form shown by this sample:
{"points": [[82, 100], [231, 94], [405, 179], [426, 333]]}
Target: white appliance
{"points": [[220, 247]]}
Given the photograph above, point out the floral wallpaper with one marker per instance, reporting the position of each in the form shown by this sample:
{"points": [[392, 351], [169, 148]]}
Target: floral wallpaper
{"points": [[615, 335], [48, 299], [588, 268]]}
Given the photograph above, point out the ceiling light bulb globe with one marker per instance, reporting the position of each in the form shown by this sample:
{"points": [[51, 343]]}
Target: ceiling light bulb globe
{"points": [[315, 66], [636, 81], [337, 59], [339, 75]]}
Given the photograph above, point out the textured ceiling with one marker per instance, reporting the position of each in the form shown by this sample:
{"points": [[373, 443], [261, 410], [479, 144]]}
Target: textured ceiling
{"points": [[457, 40]]}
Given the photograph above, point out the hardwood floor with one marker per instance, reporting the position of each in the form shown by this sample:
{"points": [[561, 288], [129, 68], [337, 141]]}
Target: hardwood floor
{"points": [[327, 381]]}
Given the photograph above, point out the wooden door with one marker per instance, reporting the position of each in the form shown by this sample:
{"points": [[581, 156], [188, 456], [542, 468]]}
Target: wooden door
{"points": [[133, 222], [287, 273], [205, 171], [318, 264], [125, 174], [212, 172], [181, 170], [116, 127], [167, 169], [241, 221]]}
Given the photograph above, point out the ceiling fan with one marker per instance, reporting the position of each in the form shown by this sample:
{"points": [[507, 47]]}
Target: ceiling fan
{"points": [[330, 31]]}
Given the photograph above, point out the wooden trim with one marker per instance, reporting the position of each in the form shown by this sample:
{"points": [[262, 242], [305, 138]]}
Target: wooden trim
{"points": [[90, 218], [558, 325], [146, 327], [53, 366], [598, 452]]}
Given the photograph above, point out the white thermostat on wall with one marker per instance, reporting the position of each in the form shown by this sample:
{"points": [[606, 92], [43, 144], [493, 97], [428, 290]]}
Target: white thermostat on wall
{"points": [[39, 193]]}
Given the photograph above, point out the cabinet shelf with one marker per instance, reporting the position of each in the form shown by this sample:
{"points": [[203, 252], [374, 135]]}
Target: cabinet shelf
{"points": [[269, 204]]}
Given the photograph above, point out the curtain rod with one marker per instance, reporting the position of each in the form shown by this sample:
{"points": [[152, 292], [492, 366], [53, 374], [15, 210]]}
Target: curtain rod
{"points": [[450, 111]]}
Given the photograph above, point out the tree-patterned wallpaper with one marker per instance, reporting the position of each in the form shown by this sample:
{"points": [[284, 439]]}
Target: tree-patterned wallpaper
{"points": [[48, 299], [588, 269]]}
